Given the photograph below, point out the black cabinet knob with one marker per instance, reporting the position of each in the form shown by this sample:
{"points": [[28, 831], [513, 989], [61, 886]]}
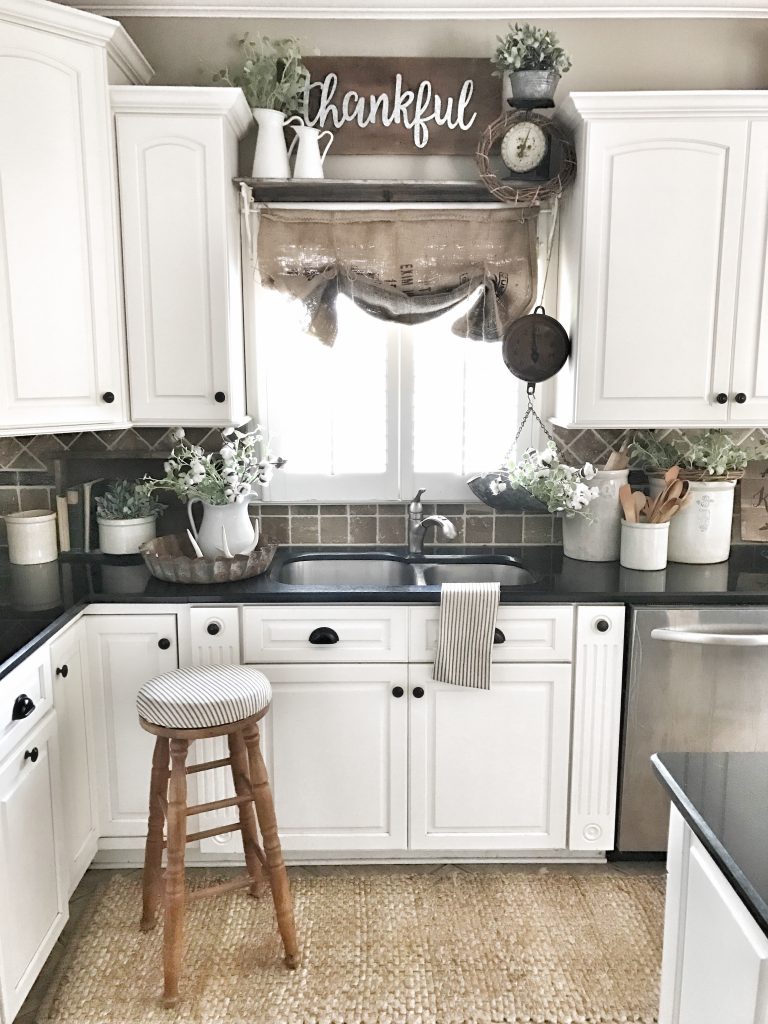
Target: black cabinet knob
{"points": [[213, 628], [740, 397], [397, 691], [498, 636], [63, 671], [418, 692], [31, 755], [164, 644], [108, 397], [721, 398], [220, 397], [602, 625], [323, 635], [23, 707]]}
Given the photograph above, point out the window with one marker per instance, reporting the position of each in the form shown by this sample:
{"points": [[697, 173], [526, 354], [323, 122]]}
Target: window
{"points": [[386, 410]]}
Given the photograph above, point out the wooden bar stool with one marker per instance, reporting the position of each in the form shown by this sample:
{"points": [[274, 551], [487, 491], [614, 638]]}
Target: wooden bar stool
{"points": [[178, 708]]}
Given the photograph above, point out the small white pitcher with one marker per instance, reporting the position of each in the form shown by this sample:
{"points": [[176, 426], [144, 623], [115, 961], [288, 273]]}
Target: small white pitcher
{"points": [[309, 159], [226, 530], [271, 157]]}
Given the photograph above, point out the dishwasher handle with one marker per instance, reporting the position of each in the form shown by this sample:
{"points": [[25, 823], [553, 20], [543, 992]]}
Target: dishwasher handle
{"points": [[686, 636]]}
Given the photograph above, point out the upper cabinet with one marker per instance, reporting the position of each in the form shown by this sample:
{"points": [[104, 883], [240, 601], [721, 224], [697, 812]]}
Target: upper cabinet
{"points": [[61, 344], [177, 155], [663, 261]]}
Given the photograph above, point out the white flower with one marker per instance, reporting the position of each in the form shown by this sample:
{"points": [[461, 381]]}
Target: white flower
{"points": [[178, 434], [588, 471]]}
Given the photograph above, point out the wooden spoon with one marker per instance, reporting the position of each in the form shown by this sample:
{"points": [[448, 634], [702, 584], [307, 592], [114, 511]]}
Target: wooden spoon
{"points": [[641, 504], [627, 503], [671, 474]]}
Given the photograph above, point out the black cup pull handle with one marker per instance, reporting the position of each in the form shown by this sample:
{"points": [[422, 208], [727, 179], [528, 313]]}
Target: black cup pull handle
{"points": [[323, 635], [397, 691], [63, 671], [418, 692], [31, 755], [498, 636], [164, 644], [23, 707]]}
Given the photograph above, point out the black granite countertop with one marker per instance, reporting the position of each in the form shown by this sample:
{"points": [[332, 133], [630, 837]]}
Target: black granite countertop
{"points": [[36, 600], [724, 798]]}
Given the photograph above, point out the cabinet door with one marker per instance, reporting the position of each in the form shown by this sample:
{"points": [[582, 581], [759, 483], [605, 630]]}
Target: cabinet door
{"points": [[72, 700], [715, 962], [336, 747], [60, 325], [750, 364], [661, 227], [489, 768], [181, 254], [124, 653], [33, 897]]}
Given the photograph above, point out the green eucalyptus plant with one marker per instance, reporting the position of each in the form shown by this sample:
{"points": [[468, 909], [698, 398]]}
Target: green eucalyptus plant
{"points": [[273, 74], [710, 454], [649, 452], [126, 500], [528, 48]]}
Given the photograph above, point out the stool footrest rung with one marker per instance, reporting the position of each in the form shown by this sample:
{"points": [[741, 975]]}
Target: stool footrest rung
{"points": [[205, 766], [215, 890], [217, 805], [209, 833]]}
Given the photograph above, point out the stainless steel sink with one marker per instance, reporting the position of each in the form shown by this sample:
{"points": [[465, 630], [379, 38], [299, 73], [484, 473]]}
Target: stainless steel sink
{"points": [[330, 570], [377, 569]]}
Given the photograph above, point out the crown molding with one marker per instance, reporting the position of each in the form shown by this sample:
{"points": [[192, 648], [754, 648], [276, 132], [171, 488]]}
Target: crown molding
{"points": [[184, 101], [690, 104], [429, 9]]}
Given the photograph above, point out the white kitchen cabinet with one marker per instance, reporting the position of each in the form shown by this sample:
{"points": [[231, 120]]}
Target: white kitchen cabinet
{"points": [[74, 711], [177, 155], [33, 883], [125, 651], [489, 768], [62, 363], [652, 263], [337, 755], [715, 960]]}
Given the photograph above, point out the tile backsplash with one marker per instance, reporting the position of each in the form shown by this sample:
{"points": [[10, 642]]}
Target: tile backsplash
{"points": [[27, 481]]}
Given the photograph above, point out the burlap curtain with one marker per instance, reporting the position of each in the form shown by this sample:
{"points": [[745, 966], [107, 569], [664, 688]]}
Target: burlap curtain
{"points": [[406, 265]]}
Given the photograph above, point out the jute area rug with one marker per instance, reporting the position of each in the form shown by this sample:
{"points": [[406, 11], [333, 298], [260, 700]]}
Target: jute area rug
{"points": [[452, 947]]}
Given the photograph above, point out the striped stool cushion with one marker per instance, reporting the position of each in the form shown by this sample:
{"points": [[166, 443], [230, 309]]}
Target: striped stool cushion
{"points": [[197, 698]]}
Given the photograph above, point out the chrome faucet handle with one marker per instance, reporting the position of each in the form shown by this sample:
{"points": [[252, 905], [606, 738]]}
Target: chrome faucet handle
{"points": [[414, 506]]}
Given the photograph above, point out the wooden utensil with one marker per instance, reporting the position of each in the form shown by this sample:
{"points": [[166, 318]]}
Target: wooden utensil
{"points": [[627, 503], [671, 474], [641, 505], [619, 459]]}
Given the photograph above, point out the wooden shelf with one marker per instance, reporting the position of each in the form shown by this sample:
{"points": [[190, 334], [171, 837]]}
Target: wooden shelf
{"points": [[336, 190]]}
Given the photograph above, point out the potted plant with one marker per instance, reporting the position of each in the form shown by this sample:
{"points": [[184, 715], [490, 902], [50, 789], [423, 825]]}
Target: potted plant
{"points": [[534, 61], [127, 517], [553, 486], [711, 462], [223, 482], [274, 79]]}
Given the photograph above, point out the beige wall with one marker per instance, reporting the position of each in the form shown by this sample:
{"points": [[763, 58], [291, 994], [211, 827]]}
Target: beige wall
{"points": [[608, 54]]}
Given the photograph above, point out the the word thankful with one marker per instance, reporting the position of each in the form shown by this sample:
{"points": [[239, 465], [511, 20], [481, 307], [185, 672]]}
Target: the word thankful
{"points": [[415, 108]]}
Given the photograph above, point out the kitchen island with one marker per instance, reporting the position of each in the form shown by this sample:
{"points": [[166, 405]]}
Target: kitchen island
{"points": [[715, 964]]}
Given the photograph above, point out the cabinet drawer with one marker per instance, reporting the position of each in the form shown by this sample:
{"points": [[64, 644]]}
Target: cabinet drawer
{"points": [[338, 634], [531, 633], [31, 679]]}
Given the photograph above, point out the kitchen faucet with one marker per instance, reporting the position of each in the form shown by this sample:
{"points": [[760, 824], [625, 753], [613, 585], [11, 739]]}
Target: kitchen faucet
{"points": [[417, 527]]}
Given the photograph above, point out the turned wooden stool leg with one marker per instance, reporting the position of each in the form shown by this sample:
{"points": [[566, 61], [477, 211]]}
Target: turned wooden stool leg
{"points": [[278, 876], [152, 882], [241, 778], [173, 936]]}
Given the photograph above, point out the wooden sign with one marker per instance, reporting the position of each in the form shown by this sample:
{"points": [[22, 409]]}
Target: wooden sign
{"points": [[754, 502], [402, 105]]}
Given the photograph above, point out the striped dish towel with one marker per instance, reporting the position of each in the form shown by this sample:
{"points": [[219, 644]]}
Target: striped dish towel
{"points": [[465, 641]]}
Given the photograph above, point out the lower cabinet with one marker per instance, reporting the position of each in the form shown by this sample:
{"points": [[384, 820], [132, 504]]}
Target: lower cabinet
{"points": [[72, 700], [33, 886], [489, 768], [336, 748], [125, 652], [715, 962]]}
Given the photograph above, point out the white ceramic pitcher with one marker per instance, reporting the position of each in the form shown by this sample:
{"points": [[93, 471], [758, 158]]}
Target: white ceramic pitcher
{"points": [[271, 157], [226, 530], [309, 159]]}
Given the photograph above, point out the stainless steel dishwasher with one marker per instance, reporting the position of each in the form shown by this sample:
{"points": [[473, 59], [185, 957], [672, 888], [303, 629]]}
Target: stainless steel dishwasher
{"points": [[697, 681]]}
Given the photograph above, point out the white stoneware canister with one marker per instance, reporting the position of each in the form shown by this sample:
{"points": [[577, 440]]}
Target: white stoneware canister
{"points": [[123, 536], [597, 539], [309, 159], [644, 545], [271, 157], [700, 533], [31, 536]]}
